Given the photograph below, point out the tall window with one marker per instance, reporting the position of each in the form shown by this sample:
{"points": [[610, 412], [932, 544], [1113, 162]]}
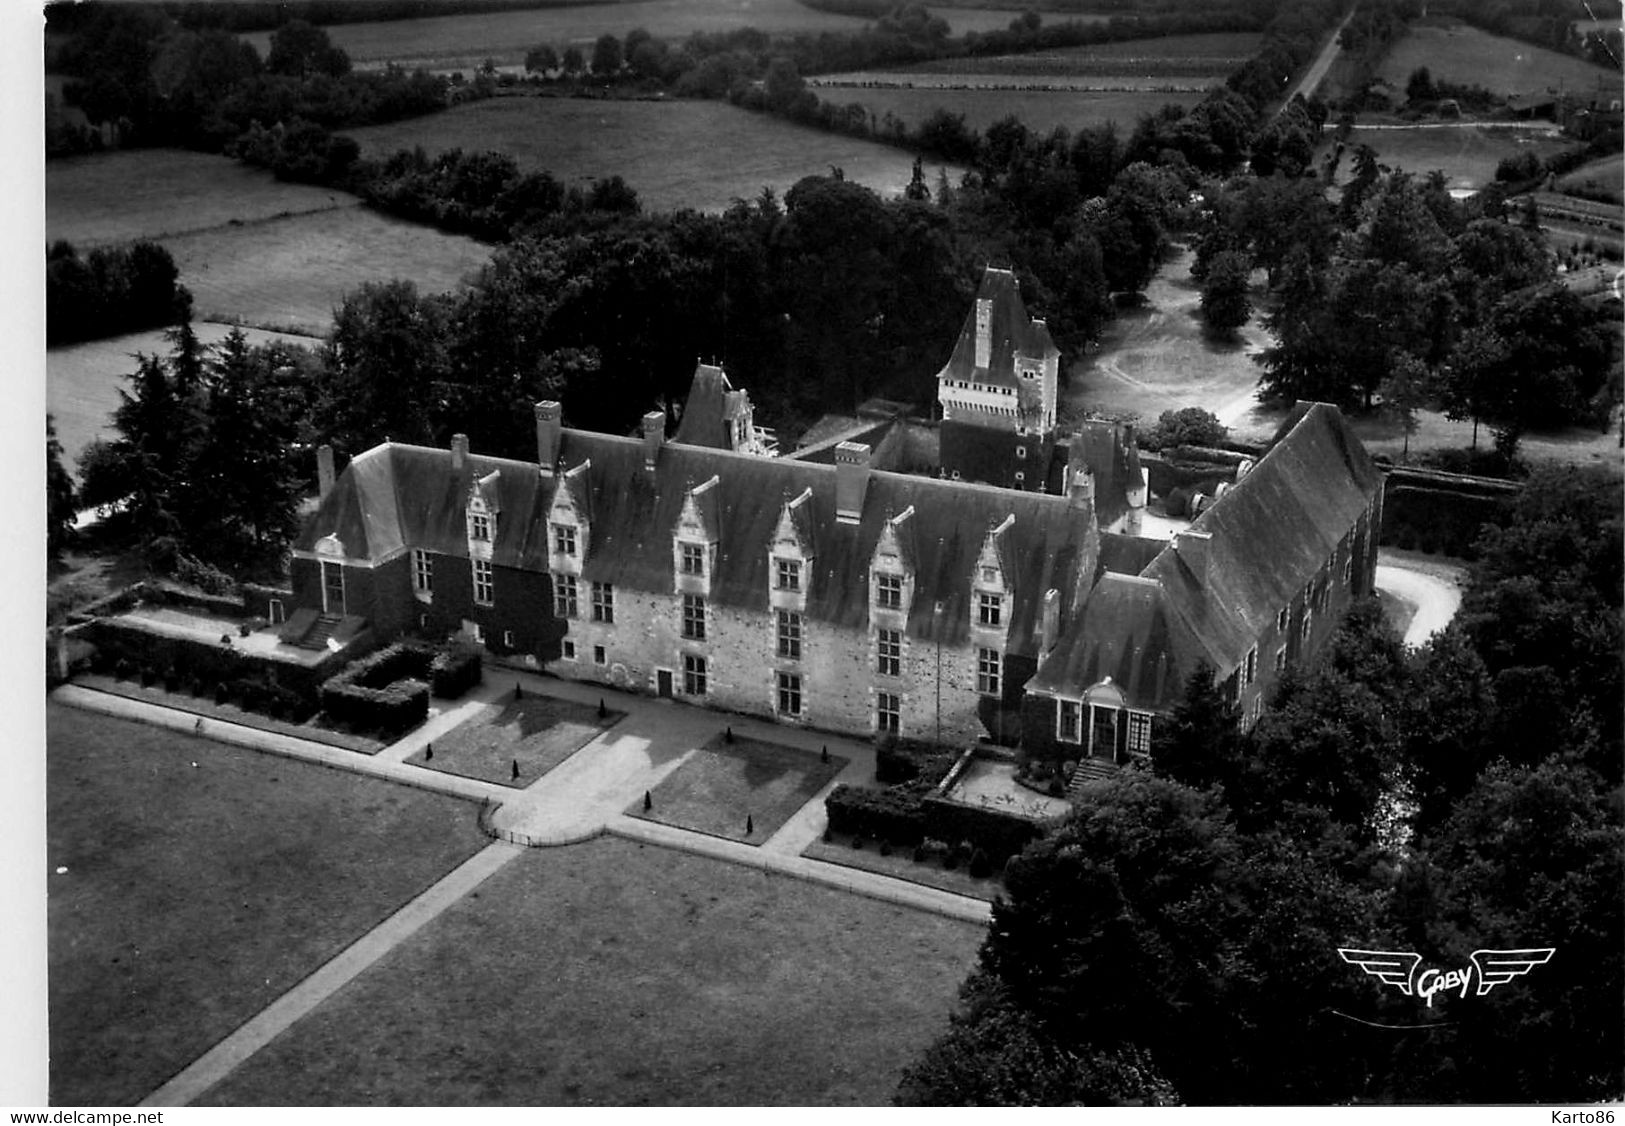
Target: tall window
{"points": [[564, 596], [889, 652], [1139, 733], [786, 573], [479, 526], [1348, 566], [1280, 659], [789, 693], [693, 617], [987, 672], [422, 572], [1071, 725], [888, 712], [988, 608], [1280, 618], [693, 559], [484, 592], [889, 592], [603, 603], [693, 674], [790, 635], [1250, 666], [1308, 618], [564, 539]]}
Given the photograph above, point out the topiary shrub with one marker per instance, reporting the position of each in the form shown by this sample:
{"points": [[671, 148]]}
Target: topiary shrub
{"points": [[857, 842], [980, 865], [885, 848]]}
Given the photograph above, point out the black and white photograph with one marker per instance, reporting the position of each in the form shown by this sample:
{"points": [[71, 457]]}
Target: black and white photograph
{"points": [[816, 553]]}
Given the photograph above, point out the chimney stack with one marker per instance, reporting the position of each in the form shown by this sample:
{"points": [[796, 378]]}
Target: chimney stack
{"points": [[1051, 622], [654, 436], [324, 471], [459, 452], [851, 481], [1193, 549], [1081, 487], [548, 416]]}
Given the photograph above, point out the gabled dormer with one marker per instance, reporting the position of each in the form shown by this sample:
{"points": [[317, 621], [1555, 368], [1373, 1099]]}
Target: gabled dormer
{"points": [[790, 555], [694, 541], [892, 572], [480, 514], [991, 585], [569, 526]]}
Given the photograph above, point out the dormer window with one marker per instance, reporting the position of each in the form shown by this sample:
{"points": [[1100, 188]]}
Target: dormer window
{"points": [[564, 539], [786, 573], [693, 559], [889, 591], [989, 609], [479, 527]]}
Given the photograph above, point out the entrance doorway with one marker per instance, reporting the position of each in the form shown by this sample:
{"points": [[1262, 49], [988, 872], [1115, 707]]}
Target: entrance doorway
{"points": [[663, 683], [332, 588], [1103, 733]]}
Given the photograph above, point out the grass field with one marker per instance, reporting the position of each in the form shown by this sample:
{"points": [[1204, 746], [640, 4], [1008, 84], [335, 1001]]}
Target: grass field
{"points": [[290, 273], [1467, 56], [151, 193], [203, 881], [1211, 55], [82, 381], [1040, 110], [1466, 154], [675, 153], [448, 42], [537, 732], [723, 783], [1605, 176], [615, 973]]}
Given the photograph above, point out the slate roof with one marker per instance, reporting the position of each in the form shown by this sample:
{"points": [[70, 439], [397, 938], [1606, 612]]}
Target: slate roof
{"points": [[1012, 331], [398, 496], [710, 406], [1271, 533]]}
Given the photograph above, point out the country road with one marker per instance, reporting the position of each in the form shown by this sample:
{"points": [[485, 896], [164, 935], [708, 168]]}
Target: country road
{"points": [[1323, 62]]}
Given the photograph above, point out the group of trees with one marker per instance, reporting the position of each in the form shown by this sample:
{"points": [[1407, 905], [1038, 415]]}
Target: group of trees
{"points": [[110, 291], [1176, 937], [205, 462], [1399, 290]]}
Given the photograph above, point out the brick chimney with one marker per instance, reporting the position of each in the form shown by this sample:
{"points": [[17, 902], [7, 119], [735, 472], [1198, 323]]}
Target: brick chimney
{"points": [[459, 452], [851, 481], [1193, 549], [324, 471], [654, 436], [1050, 623], [548, 416], [1080, 490]]}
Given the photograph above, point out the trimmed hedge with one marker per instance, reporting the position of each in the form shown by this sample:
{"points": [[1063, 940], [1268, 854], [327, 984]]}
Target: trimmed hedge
{"points": [[202, 662], [454, 671], [387, 692], [900, 760], [1437, 521], [1001, 834], [890, 815], [905, 819]]}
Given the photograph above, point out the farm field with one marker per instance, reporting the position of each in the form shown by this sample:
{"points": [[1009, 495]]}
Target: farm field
{"points": [[1466, 154], [615, 973], [82, 381], [464, 41], [675, 153], [1469, 57], [1040, 110], [203, 881], [287, 274], [151, 193], [1211, 55], [1605, 176]]}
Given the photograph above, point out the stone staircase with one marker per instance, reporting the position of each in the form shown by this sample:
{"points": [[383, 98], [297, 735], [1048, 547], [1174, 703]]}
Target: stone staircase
{"points": [[320, 630], [1089, 770]]}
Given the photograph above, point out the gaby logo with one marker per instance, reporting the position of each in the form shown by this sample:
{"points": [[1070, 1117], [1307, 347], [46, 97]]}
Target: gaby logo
{"points": [[1489, 968]]}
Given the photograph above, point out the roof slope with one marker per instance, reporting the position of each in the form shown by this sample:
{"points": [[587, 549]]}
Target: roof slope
{"points": [[1011, 331], [1124, 634], [704, 421]]}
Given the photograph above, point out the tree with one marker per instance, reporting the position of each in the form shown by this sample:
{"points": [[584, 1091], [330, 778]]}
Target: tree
{"points": [[573, 61], [1201, 745], [386, 362], [1188, 426], [606, 56], [300, 50], [1404, 391], [60, 499], [541, 59], [1419, 87], [1225, 305]]}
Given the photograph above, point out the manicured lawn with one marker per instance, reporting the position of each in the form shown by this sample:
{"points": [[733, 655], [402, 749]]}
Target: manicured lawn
{"points": [[290, 273], [617, 973], [1467, 56], [722, 783], [152, 193], [537, 732], [675, 153], [200, 882], [82, 381], [446, 42]]}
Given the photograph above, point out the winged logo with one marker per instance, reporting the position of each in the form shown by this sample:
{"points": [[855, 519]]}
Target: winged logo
{"points": [[1392, 967], [1497, 967]]}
